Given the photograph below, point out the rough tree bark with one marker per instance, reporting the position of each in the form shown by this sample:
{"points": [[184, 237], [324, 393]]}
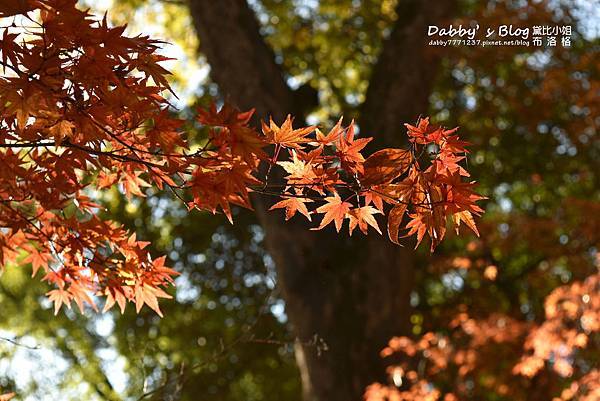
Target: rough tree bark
{"points": [[351, 292]]}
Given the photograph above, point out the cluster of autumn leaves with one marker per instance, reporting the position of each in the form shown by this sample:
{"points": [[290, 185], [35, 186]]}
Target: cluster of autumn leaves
{"points": [[463, 353], [332, 168], [326, 175], [82, 110]]}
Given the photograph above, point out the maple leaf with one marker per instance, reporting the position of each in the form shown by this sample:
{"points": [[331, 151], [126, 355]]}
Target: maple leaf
{"points": [[37, 259], [335, 210], [372, 196], [285, 136], [61, 130], [400, 192], [467, 217], [243, 140], [363, 217], [429, 218], [246, 143], [218, 188], [385, 165], [148, 63], [60, 297], [333, 136], [437, 218], [80, 295], [227, 116], [10, 49], [453, 144], [146, 294], [448, 162], [106, 179], [348, 151], [300, 172], [132, 184], [460, 195], [394, 221], [424, 133], [113, 295], [292, 205], [21, 106], [164, 132], [417, 225]]}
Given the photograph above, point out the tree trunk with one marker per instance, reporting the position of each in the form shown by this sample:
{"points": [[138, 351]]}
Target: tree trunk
{"points": [[351, 293], [402, 79]]}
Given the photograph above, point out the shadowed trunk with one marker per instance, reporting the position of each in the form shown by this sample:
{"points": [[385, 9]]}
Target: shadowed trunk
{"points": [[353, 293], [402, 79]]}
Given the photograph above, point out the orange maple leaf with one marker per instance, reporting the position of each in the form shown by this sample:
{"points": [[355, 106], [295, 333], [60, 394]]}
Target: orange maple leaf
{"points": [[385, 165], [335, 210], [363, 217], [227, 116], [333, 135], [467, 217], [394, 221], [300, 172], [61, 130], [348, 151], [292, 205], [146, 294], [286, 136], [37, 259], [60, 297]]}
